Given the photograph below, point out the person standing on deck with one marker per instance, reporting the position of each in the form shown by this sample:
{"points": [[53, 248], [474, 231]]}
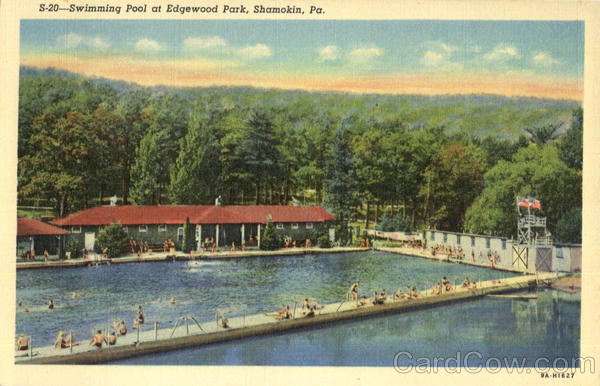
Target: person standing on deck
{"points": [[354, 290]]}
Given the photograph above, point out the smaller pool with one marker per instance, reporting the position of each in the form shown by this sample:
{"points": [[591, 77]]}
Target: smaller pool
{"points": [[477, 333]]}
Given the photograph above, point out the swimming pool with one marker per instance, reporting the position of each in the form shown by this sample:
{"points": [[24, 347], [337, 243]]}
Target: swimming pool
{"points": [[234, 287]]}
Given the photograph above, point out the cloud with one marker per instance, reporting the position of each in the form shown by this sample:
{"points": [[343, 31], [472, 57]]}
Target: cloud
{"points": [[98, 42], [204, 42], [502, 52], [432, 59], [438, 54], [70, 40], [440, 47], [255, 52], [365, 53], [73, 40], [544, 59], [147, 45], [329, 53]]}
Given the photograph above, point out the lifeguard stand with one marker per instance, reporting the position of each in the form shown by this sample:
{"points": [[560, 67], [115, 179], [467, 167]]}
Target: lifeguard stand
{"points": [[532, 233]]}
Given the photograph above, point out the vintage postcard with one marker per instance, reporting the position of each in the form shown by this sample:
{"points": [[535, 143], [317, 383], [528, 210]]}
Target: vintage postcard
{"points": [[291, 192]]}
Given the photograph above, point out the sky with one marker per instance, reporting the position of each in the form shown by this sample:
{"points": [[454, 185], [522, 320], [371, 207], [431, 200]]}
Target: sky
{"points": [[512, 58]]}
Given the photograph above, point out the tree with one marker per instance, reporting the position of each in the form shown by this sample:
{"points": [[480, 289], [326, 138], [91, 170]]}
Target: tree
{"points": [[135, 117], [188, 237], [571, 145], [544, 134], [195, 177], [112, 238], [534, 171], [270, 240], [454, 180], [146, 172], [341, 190], [568, 228]]}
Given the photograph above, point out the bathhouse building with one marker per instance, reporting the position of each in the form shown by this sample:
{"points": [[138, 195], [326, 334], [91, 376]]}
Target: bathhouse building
{"points": [[224, 224], [37, 236]]}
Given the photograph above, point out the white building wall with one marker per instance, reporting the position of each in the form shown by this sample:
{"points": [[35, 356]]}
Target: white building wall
{"points": [[561, 259]]}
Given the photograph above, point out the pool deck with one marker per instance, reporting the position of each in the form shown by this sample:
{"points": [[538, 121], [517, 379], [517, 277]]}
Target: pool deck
{"points": [[167, 339], [178, 255], [418, 252]]}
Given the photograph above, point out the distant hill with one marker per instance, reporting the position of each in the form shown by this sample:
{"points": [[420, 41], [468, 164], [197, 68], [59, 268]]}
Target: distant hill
{"points": [[476, 115]]}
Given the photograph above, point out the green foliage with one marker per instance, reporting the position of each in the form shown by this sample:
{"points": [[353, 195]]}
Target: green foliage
{"points": [[74, 248], [343, 234], [112, 238], [568, 228], [81, 141], [571, 145], [188, 242], [341, 185], [534, 171], [323, 241], [393, 224], [270, 239]]}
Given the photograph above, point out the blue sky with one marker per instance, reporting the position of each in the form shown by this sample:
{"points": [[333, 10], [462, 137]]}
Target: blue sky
{"points": [[402, 56]]}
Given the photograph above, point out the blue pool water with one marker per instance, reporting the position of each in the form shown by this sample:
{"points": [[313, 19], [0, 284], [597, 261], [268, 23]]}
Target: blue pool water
{"points": [[489, 332], [235, 287]]}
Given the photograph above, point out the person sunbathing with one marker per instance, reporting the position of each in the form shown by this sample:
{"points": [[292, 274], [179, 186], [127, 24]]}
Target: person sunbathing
{"points": [[415, 293], [122, 328], [22, 343], [61, 342], [399, 295], [466, 283], [97, 340], [112, 339], [224, 322], [363, 301], [375, 298], [383, 297], [437, 290]]}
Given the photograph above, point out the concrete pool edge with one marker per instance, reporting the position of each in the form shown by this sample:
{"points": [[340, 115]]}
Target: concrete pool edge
{"points": [[152, 347], [154, 257]]}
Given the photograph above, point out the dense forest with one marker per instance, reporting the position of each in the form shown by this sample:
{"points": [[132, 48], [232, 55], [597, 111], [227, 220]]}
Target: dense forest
{"points": [[453, 162]]}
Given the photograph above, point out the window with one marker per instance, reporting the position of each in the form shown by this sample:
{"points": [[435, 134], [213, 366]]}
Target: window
{"points": [[294, 225], [75, 229], [503, 243], [125, 229], [458, 237], [143, 228], [309, 225], [472, 241], [445, 237], [279, 225], [432, 235], [487, 242], [559, 253], [162, 228], [180, 233]]}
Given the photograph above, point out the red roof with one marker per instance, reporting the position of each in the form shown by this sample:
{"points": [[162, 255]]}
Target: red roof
{"points": [[221, 215], [31, 227], [233, 214], [282, 213]]}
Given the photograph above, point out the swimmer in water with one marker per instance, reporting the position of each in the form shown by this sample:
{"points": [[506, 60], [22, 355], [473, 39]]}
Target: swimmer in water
{"points": [[75, 295], [51, 305], [172, 300]]}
